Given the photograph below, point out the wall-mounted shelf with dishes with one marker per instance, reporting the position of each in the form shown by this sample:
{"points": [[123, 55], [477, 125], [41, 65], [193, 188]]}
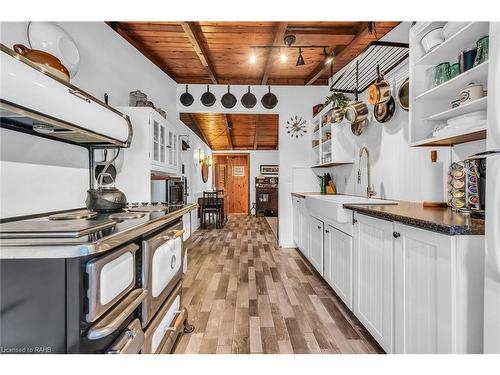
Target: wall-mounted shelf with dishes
{"points": [[329, 146], [448, 81]]}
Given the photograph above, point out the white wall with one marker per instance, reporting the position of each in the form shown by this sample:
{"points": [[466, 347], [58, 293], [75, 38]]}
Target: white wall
{"points": [[257, 158], [35, 171], [293, 153]]}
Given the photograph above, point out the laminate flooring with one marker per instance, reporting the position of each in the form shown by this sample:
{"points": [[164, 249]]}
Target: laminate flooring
{"points": [[245, 295]]}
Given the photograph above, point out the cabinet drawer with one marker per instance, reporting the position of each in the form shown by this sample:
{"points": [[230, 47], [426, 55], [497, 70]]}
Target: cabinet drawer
{"points": [[166, 325]]}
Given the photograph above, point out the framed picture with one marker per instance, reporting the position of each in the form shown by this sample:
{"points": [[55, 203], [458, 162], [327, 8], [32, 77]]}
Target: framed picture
{"points": [[238, 171], [269, 170]]}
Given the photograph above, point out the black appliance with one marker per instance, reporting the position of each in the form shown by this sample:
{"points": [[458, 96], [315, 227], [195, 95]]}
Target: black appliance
{"points": [[266, 196], [176, 191]]}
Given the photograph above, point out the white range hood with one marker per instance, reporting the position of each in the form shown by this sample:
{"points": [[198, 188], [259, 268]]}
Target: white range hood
{"points": [[34, 101]]}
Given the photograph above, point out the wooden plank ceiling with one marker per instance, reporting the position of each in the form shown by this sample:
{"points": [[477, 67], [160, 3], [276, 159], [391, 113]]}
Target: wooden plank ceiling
{"points": [[234, 131], [219, 52]]}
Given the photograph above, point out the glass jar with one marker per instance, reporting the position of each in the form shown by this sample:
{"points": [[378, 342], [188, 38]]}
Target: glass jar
{"points": [[442, 73], [454, 70]]}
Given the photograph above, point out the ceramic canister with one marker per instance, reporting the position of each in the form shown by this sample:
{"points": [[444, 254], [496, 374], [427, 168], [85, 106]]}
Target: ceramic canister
{"points": [[471, 92]]}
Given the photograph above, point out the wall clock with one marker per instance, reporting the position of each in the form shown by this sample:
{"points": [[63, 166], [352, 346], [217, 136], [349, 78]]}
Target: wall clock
{"points": [[296, 126]]}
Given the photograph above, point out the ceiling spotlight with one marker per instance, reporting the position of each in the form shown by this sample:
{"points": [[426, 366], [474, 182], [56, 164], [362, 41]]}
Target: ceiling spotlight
{"points": [[289, 39], [283, 57], [328, 57], [300, 59], [253, 58]]}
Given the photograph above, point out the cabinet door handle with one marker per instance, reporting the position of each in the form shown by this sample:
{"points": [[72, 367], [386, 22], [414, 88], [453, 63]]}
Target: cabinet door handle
{"points": [[327, 231], [319, 227], [354, 221], [396, 234]]}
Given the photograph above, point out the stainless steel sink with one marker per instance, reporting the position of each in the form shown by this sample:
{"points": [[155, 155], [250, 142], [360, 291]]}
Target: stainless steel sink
{"points": [[331, 206]]}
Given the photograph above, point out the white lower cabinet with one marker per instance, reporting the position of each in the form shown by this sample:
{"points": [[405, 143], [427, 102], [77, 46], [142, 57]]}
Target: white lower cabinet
{"points": [[438, 294], [316, 243], [301, 225], [337, 263], [373, 278]]}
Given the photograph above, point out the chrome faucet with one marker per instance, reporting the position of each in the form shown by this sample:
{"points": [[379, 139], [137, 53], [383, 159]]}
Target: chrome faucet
{"points": [[370, 191]]}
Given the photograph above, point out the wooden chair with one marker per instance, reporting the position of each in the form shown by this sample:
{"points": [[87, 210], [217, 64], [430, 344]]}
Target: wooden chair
{"points": [[212, 207]]}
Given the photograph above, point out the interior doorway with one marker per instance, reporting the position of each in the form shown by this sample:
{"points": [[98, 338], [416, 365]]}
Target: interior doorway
{"points": [[232, 174]]}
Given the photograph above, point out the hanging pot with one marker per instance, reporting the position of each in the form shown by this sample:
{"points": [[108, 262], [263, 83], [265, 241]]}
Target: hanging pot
{"points": [[228, 100], [269, 100], [380, 90], [383, 112], [186, 98], [357, 128], [404, 95], [337, 115], [208, 99], [249, 100], [357, 111]]}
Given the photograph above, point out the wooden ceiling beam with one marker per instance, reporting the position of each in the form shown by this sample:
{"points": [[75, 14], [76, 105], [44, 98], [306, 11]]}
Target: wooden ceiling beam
{"points": [[138, 46], [321, 30], [256, 134], [279, 34], [364, 36], [227, 118], [194, 34], [200, 130]]}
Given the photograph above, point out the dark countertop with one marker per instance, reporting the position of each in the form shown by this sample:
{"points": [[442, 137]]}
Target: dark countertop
{"points": [[437, 219]]}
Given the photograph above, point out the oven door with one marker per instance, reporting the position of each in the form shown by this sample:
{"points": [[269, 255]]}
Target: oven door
{"points": [[162, 258], [130, 341], [110, 277], [162, 332]]}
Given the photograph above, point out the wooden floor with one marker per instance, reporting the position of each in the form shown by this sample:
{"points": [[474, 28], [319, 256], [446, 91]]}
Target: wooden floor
{"points": [[246, 295]]}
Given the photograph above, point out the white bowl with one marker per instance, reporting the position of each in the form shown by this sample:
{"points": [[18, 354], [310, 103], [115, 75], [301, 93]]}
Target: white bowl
{"points": [[451, 28], [432, 39]]}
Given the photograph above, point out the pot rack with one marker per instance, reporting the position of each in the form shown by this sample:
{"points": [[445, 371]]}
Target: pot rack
{"points": [[361, 72]]}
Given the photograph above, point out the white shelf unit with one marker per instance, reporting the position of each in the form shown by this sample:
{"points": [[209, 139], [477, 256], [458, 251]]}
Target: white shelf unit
{"points": [[338, 150], [432, 106]]}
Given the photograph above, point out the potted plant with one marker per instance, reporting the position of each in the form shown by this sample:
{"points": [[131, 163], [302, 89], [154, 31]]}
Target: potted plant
{"points": [[340, 103]]}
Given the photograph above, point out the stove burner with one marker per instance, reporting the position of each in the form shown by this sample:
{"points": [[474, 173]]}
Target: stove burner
{"points": [[74, 215], [126, 215]]}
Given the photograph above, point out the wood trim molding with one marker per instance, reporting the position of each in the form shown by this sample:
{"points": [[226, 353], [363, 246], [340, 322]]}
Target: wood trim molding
{"points": [[203, 136], [256, 134], [227, 118], [194, 34], [279, 34]]}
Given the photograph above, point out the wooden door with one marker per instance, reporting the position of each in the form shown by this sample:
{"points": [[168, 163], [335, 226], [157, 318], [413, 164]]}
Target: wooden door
{"points": [[232, 176]]}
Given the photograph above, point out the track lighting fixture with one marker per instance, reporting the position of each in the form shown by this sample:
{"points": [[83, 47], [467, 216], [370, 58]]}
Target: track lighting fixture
{"points": [[300, 59]]}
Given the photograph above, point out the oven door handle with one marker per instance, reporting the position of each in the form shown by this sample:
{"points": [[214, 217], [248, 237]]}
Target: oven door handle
{"points": [[112, 321], [130, 342]]}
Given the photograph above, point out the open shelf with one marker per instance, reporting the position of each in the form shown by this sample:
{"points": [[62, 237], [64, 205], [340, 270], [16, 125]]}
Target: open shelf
{"points": [[465, 37], [452, 87], [332, 164], [476, 105], [451, 139]]}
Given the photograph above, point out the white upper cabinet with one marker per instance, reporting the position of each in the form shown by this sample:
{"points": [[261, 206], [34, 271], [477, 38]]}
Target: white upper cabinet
{"points": [[155, 136], [373, 278]]}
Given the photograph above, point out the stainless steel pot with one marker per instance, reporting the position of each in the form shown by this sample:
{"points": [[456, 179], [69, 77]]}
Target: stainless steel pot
{"points": [[357, 111], [105, 199]]}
